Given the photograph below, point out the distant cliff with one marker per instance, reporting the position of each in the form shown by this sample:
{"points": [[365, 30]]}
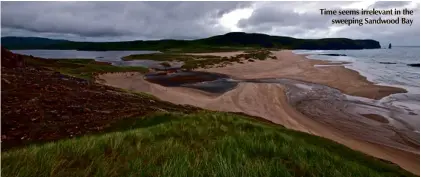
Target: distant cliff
{"points": [[229, 41]]}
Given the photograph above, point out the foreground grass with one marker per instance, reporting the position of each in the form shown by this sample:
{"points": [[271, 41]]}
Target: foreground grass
{"points": [[204, 61], [83, 68], [201, 144]]}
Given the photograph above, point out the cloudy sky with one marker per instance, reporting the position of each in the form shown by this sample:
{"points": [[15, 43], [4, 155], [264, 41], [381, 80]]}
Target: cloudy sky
{"points": [[115, 21]]}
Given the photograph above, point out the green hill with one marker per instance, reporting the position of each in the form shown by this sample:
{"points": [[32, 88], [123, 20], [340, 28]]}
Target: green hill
{"points": [[226, 42], [197, 144]]}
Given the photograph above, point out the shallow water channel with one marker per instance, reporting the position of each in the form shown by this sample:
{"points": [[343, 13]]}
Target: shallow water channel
{"points": [[321, 103]]}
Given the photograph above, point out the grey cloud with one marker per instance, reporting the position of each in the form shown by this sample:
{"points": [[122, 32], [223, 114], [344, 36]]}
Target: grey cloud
{"points": [[389, 4], [112, 21], [283, 18], [108, 19], [283, 14]]}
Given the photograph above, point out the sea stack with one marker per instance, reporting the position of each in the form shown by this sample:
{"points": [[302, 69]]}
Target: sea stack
{"points": [[390, 45]]}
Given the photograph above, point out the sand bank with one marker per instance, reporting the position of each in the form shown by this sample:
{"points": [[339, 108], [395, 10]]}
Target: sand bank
{"points": [[290, 65], [269, 101]]}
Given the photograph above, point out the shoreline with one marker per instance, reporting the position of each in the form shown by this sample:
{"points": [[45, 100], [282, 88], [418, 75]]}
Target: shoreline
{"points": [[299, 67], [252, 99]]}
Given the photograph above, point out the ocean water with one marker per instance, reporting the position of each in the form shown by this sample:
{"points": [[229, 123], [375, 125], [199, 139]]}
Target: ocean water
{"points": [[383, 67]]}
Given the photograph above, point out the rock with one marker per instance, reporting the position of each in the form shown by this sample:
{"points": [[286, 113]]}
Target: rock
{"points": [[387, 63], [333, 54], [412, 113], [414, 65]]}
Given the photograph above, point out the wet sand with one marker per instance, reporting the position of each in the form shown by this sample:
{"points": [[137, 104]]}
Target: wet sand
{"points": [[321, 116], [293, 66]]}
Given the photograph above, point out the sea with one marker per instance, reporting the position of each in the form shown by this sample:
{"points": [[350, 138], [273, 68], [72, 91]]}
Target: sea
{"points": [[388, 67]]}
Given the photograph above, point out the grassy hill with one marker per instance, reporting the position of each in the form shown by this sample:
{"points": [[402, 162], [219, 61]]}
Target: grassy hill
{"points": [[227, 42], [197, 144], [54, 124]]}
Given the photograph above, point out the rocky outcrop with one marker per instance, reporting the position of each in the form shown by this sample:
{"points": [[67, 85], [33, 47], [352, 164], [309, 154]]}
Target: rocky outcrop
{"points": [[333, 54], [414, 65], [387, 63]]}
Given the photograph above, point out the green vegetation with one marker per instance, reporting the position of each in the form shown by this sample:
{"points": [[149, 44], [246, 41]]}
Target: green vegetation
{"points": [[82, 68], [204, 61], [228, 42], [200, 144], [168, 57]]}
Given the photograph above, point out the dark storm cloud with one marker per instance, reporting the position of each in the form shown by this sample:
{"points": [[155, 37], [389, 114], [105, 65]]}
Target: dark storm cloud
{"points": [[109, 19], [112, 21]]}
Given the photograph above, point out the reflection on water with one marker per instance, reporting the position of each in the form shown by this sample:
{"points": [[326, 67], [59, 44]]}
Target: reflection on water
{"points": [[314, 100], [384, 67], [113, 57], [183, 78]]}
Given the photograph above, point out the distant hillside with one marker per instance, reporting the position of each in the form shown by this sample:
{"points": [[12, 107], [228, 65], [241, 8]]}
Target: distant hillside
{"points": [[267, 41], [28, 42], [229, 41]]}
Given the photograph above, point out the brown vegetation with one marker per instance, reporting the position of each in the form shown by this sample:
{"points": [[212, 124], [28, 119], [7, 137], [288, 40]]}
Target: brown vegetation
{"points": [[40, 104]]}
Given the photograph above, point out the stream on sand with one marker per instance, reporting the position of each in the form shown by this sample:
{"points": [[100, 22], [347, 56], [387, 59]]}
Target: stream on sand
{"points": [[375, 120]]}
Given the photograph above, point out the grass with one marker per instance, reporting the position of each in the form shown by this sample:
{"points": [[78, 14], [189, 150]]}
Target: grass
{"points": [[206, 61], [200, 144], [168, 57], [82, 68], [204, 49]]}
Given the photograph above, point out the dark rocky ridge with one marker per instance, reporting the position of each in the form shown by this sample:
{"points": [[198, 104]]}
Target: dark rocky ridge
{"points": [[333, 54], [387, 63], [414, 65]]}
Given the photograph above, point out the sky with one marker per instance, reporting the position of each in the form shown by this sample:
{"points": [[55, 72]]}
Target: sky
{"points": [[125, 21]]}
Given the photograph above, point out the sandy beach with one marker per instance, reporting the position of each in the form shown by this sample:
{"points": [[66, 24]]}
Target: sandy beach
{"points": [[371, 135], [290, 65]]}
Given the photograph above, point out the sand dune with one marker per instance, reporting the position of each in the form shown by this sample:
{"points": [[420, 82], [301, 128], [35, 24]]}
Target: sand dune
{"points": [[269, 101]]}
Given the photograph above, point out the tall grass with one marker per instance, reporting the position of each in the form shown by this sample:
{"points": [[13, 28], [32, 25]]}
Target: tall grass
{"points": [[201, 144], [82, 68]]}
